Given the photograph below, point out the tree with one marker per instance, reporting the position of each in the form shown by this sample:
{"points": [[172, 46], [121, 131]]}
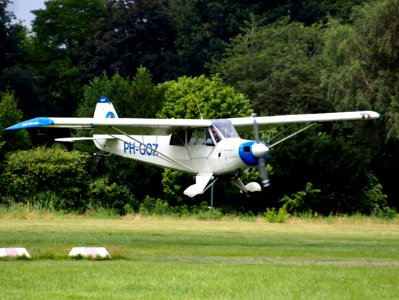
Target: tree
{"points": [[331, 161], [204, 28], [12, 36], [10, 115], [60, 31], [134, 98], [362, 72], [63, 25], [131, 34], [277, 66], [10, 140], [14, 73], [23, 81], [130, 96], [193, 97], [280, 67], [363, 62]]}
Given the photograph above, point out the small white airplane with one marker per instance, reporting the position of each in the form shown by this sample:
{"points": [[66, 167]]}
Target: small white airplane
{"points": [[206, 148]]}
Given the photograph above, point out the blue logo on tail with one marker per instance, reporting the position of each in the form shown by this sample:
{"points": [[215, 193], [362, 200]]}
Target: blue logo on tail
{"points": [[110, 115]]}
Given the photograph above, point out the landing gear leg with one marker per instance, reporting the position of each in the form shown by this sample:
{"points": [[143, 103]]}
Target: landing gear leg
{"points": [[212, 187], [100, 156], [250, 187], [238, 183]]}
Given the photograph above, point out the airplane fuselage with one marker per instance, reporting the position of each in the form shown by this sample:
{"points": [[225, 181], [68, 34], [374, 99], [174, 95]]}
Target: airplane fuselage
{"points": [[220, 158]]}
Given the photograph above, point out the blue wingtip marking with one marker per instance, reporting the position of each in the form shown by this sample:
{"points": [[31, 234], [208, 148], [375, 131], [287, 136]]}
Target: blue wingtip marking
{"points": [[103, 99], [37, 122]]}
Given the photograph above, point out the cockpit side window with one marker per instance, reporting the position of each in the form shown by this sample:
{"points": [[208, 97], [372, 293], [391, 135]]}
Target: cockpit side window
{"points": [[193, 137], [219, 130], [178, 138], [198, 137]]}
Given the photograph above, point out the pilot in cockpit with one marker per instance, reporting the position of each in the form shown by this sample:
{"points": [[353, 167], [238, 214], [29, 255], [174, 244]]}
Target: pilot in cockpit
{"points": [[216, 137]]}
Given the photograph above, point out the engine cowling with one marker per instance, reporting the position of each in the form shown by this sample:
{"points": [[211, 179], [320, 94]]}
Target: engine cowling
{"points": [[251, 151]]}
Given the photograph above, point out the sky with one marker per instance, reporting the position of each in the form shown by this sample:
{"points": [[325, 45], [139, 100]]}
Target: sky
{"points": [[22, 8]]}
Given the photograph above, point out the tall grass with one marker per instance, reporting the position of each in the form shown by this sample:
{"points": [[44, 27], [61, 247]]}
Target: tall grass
{"points": [[33, 211]]}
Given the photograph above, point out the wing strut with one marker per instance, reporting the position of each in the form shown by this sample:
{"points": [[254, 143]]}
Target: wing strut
{"points": [[163, 156], [292, 135]]}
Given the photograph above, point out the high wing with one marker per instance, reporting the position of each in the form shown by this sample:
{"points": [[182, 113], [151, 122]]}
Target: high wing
{"points": [[115, 126], [247, 123], [138, 126]]}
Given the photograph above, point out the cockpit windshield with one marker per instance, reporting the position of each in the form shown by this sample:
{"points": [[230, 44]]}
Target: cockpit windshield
{"points": [[225, 128]]}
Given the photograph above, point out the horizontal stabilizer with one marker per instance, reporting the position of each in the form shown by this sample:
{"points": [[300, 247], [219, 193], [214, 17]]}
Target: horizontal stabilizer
{"points": [[77, 139]]}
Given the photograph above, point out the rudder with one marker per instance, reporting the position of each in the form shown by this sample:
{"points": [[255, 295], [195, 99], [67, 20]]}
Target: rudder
{"points": [[105, 109]]}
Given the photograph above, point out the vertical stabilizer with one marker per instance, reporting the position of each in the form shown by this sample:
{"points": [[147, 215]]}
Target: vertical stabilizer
{"points": [[104, 109]]}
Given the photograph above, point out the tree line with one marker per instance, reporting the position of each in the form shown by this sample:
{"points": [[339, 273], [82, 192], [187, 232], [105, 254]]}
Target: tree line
{"points": [[158, 58]]}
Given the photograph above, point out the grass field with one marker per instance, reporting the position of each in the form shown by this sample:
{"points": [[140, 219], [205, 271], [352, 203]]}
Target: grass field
{"points": [[166, 258]]}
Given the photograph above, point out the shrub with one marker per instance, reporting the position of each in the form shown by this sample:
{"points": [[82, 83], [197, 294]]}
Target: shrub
{"points": [[375, 201], [162, 208], [48, 176], [299, 202], [147, 206], [280, 216], [103, 193]]}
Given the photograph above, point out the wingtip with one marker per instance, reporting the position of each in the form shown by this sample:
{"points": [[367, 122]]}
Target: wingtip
{"points": [[377, 115], [37, 122], [370, 115]]}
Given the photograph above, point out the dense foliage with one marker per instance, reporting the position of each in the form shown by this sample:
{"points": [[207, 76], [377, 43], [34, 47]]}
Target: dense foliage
{"points": [[175, 58]]}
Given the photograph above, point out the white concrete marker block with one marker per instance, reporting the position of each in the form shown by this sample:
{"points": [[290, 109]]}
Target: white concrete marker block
{"points": [[15, 252], [90, 252]]}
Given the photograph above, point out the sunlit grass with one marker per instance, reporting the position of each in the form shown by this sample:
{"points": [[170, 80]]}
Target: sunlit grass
{"points": [[164, 258]]}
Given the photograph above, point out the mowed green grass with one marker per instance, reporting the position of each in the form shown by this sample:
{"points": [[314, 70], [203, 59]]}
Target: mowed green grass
{"points": [[168, 258]]}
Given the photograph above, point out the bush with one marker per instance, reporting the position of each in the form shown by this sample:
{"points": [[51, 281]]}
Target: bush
{"points": [[375, 201], [151, 206], [280, 216], [162, 208], [103, 193], [299, 202], [48, 176]]}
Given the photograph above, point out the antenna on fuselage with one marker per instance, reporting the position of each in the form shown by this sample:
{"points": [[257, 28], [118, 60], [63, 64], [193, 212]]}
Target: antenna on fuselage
{"points": [[196, 101]]}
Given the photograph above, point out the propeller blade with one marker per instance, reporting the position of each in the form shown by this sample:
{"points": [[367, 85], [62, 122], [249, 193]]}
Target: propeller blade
{"points": [[256, 129], [263, 172], [259, 151]]}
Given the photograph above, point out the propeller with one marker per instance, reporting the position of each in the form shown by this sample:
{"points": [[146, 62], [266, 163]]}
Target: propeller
{"points": [[259, 150]]}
